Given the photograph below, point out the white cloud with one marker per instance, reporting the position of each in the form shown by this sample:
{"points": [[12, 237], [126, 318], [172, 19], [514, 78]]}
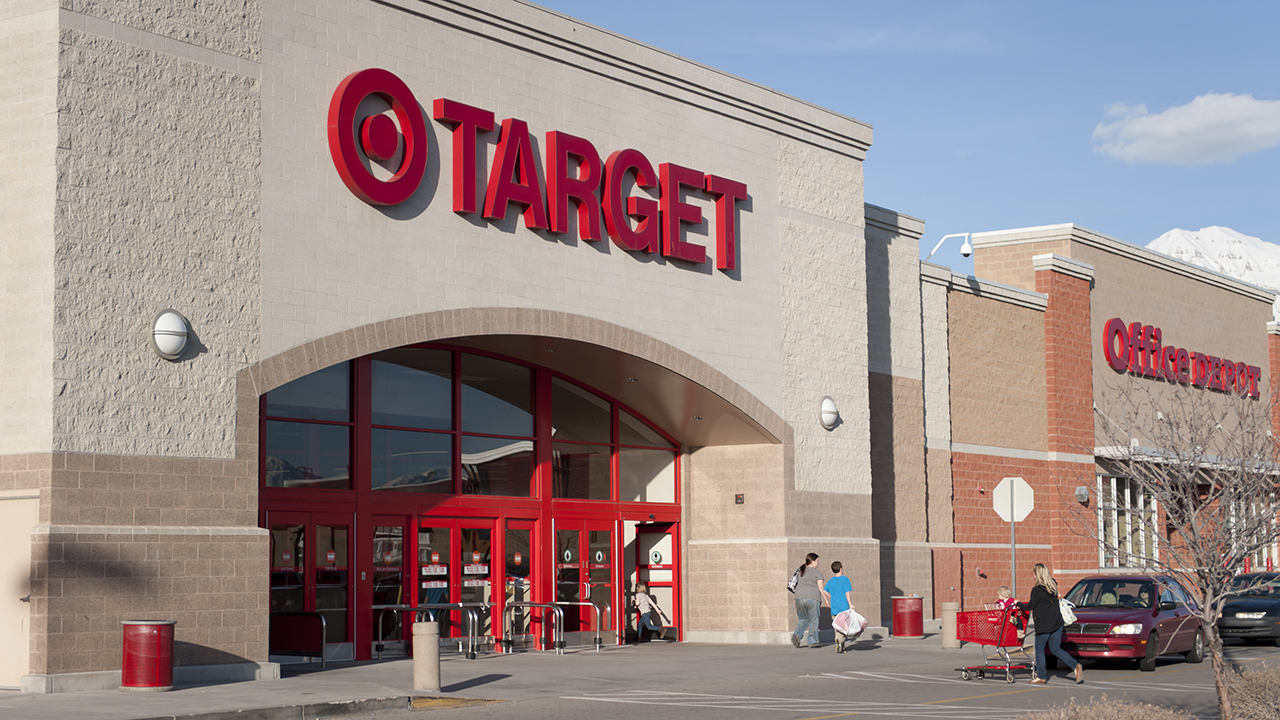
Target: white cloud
{"points": [[1211, 128]]}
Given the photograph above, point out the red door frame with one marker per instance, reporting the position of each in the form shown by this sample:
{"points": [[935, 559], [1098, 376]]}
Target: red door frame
{"points": [[364, 508], [672, 528], [309, 519]]}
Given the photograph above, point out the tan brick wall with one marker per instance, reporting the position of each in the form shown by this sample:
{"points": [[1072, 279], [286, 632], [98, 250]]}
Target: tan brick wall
{"points": [[997, 373], [1011, 264], [86, 581], [28, 177], [899, 492], [941, 513]]}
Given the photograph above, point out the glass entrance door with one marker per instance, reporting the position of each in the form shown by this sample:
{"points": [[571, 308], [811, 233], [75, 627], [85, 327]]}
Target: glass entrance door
{"points": [[456, 565], [585, 574], [311, 572], [657, 564], [388, 571]]}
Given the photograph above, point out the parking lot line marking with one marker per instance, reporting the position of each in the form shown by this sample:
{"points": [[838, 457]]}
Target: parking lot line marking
{"points": [[828, 717], [979, 697]]}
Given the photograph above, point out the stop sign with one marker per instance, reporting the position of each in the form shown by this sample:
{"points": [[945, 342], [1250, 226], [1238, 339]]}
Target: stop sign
{"points": [[1013, 499]]}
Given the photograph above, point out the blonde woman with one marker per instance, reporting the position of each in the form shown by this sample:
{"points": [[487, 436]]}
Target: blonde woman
{"points": [[1047, 614]]}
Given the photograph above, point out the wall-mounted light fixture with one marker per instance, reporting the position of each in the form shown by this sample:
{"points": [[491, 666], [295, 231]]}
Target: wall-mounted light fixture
{"points": [[1082, 494], [830, 414], [169, 334]]}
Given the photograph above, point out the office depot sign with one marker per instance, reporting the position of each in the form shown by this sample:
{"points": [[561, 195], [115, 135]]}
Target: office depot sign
{"points": [[1138, 349], [574, 173]]}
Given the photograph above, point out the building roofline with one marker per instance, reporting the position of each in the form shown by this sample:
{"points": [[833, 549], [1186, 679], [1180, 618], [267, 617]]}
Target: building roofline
{"points": [[1084, 236]]}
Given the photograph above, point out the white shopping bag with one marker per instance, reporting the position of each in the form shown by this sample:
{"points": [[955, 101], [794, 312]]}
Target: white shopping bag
{"points": [[849, 623]]}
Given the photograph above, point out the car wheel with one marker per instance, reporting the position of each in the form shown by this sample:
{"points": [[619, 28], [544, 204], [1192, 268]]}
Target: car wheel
{"points": [[1148, 663], [1277, 641], [1196, 653]]}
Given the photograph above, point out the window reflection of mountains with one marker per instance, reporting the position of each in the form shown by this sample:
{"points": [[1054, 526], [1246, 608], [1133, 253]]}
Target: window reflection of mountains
{"points": [[282, 473]]}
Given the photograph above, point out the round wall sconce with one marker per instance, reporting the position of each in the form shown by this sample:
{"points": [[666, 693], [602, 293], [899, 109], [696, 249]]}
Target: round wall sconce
{"points": [[169, 333], [830, 413]]}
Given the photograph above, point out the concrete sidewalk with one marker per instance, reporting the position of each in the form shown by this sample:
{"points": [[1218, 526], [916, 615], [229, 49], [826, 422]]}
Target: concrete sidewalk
{"points": [[304, 691]]}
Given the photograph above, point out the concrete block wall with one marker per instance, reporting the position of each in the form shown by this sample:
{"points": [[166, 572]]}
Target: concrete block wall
{"points": [[158, 206], [900, 491], [331, 262], [28, 178]]}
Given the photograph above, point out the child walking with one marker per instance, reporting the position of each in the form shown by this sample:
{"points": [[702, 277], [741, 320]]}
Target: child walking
{"points": [[841, 591]]}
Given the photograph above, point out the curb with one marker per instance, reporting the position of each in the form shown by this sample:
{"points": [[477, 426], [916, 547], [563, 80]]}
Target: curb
{"points": [[337, 708]]}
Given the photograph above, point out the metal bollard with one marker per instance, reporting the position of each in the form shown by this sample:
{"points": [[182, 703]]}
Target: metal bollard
{"points": [[949, 640], [426, 656]]}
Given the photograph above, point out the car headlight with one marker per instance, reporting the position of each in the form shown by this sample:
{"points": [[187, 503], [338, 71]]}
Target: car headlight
{"points": [[1127, 629], [1251, 615]]}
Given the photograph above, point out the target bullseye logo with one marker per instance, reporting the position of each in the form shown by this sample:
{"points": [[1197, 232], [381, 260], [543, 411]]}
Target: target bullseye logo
{"points": [[379, 139]]}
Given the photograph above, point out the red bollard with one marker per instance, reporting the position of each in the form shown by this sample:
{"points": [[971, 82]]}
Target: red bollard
{"points": [[146, 658]]}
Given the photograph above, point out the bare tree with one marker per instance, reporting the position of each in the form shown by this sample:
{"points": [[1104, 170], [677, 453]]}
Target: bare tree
{"points": [[1211, 463]]}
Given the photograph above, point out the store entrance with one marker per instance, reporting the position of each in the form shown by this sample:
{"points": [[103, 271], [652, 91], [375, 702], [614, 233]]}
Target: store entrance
{"points": [[657, 566], [455, 565], [310, 572], [584, 574]]}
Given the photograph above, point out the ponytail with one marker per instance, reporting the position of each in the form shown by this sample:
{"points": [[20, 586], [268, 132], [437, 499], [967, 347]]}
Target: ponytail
{"points": [[807, 560]]}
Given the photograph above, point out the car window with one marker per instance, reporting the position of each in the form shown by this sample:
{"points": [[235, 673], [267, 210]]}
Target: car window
{"points": [[1108, 592], [1166, 593]]}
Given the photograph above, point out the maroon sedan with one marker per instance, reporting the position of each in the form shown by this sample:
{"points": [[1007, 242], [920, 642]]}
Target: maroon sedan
{"points": [[1133, 617]]}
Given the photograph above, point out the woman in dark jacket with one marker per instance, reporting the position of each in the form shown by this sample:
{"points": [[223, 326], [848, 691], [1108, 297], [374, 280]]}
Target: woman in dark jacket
{"points": [[1047, 615]]}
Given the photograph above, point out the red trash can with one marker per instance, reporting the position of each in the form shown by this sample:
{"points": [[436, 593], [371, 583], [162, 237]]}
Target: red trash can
{"points": [[908, 616], [146, 658]]}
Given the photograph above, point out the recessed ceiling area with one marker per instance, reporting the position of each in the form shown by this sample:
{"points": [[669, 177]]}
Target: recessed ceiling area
{"points": [[666, 398]]}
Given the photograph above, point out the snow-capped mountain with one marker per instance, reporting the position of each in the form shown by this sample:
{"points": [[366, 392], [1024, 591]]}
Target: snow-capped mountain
{"points": [[1226, 251]]}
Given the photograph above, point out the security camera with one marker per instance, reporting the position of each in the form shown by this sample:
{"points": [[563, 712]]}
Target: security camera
{"points": [[966, 249]]}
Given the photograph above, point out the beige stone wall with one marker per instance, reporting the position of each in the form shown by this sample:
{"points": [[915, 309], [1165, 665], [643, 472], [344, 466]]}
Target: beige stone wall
{"points": [[28, 138], [158, 206], [734, 554], [937, 407], [997, 380], [331, 262]]}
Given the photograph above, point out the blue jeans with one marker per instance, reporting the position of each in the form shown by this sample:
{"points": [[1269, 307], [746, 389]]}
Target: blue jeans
{"points": [[645, 622], [1054, 641], [807, 618]]}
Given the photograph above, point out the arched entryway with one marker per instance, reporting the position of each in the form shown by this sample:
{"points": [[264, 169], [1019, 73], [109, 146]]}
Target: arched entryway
{"points": [[481, 468]]}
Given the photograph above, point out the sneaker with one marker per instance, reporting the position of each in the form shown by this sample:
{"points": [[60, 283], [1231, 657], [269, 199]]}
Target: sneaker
{"points": [[839, 649], [795, 640]]}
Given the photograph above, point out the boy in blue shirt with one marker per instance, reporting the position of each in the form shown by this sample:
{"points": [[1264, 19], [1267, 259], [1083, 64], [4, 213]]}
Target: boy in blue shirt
{"points": [[841, 597]]}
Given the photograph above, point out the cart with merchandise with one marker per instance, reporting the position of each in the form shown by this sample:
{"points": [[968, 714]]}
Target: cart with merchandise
{"points": [[993, 630]]}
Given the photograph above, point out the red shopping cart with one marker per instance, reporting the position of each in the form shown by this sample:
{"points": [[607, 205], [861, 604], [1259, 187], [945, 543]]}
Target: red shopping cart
{"points": [[992, 629]]}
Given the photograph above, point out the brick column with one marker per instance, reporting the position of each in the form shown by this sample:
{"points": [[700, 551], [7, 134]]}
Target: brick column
{"points": [[1069, 385]]}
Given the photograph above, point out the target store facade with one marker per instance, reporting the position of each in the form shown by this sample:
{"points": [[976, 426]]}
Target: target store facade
{"points": [[326, 310]]}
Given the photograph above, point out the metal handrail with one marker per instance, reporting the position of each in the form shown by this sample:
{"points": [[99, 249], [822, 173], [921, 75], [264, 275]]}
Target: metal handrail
{"points": [[473, 633], [324, 633], [557, 636], [596, 609]]}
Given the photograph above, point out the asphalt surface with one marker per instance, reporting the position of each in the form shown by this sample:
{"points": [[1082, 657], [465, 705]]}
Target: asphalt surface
{"points": [[878, 678]]}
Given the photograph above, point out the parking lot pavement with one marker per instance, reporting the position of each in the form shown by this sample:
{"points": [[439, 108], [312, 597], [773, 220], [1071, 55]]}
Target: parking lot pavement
{"points": [[889, 678]]}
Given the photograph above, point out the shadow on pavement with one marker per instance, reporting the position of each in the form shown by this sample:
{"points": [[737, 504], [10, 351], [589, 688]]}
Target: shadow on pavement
{"points": [[473, 682]]}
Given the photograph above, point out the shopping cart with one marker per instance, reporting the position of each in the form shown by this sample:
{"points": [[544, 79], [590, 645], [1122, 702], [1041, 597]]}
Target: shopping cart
{"points": [[992, 629]]}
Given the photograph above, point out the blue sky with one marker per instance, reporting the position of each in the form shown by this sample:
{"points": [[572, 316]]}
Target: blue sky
{"points": [[1128, 118]]}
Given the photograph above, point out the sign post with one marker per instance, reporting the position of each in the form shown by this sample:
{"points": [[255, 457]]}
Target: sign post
{"points": [[1013, 499]]}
